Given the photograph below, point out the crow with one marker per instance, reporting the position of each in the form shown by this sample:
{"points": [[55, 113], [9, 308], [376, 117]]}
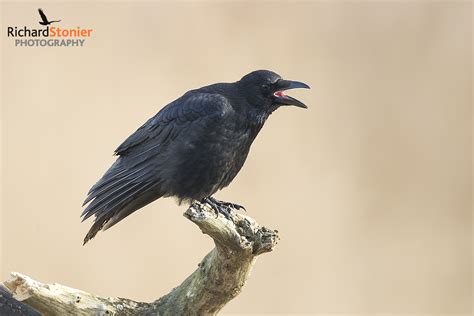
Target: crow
{"points": [[190, 149]]}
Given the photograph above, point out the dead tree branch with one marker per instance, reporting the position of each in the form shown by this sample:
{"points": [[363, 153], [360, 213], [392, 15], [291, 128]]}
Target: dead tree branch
{"points": [[219, 277]]}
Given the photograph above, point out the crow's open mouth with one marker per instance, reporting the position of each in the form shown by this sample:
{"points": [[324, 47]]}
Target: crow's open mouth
{"points": [[282, 98], [280, 94]]}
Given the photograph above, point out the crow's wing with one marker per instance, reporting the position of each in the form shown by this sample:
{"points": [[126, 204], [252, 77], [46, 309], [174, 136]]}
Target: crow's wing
{"points": [[131, 181], [172, 119], [43, 16]]}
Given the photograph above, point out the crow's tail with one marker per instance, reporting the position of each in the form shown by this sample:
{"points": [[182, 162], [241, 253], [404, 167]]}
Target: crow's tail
{"points": [[119, 193]]}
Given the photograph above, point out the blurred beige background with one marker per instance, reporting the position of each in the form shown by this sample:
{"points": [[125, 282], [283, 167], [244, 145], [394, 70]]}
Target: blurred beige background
{"points": [[370, 188]]}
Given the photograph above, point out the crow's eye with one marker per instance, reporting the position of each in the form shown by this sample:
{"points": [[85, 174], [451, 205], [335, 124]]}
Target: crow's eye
{"points": [[266, 88]]}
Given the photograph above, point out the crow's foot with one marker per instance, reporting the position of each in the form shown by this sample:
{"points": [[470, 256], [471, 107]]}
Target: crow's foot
{"points": [[222, 207], [234, 206]]}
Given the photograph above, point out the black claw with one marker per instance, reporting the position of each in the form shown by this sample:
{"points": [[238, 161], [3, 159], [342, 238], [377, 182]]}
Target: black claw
{"points": [[237, 207]]}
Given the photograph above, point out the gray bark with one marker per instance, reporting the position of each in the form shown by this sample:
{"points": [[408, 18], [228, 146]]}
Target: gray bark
{"points": [[219, 277]]}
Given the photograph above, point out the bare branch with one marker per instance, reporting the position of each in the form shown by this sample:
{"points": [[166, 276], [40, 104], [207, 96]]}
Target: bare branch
{"points": [[219, 277]]}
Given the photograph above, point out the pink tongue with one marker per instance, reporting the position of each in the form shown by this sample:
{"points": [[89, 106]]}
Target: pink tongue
{"points": [[280, 94]]}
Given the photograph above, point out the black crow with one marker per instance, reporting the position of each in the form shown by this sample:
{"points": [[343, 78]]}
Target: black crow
{"points": [[44, 19], [190, 149]]}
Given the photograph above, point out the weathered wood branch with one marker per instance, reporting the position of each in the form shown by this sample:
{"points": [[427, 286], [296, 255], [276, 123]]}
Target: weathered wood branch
{"points": [[219, 277]]}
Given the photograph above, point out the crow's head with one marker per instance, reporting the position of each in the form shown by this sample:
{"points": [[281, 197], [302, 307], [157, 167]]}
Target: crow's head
{"points": [[266, 90]]}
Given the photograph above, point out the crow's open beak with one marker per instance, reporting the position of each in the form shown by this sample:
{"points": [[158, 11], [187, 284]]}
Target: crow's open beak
{"points": [[282, 99]]}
